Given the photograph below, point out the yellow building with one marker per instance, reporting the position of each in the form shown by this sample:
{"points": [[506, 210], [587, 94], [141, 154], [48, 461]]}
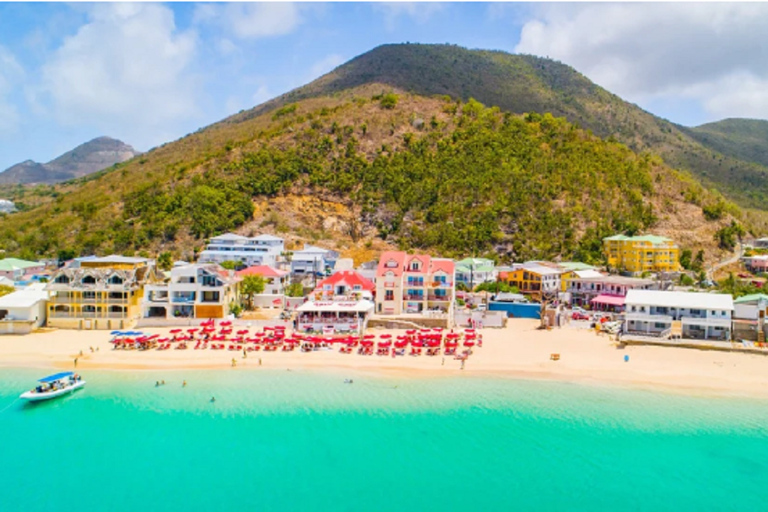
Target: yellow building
{"points": [[102, 293], [646, 253], [535, 280]]}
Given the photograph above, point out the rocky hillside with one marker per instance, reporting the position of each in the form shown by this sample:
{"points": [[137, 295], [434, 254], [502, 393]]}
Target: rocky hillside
{"points": [[523, 83], [85, 159], [373, 167]]}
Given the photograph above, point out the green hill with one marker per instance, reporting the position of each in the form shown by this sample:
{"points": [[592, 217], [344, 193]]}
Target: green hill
{"points": [[745, 139], [364, 168], [523, 83]]}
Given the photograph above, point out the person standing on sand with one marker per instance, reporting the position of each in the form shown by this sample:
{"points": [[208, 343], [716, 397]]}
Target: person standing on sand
{"points": [[462, 363], [234, 363], [443, 363], [75, 362], [259, 361], [244, 354]]}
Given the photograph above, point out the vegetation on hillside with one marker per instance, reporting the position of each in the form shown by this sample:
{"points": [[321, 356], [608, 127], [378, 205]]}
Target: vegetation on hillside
{"points": [[745, 139], [423, 173], [525, 83]]}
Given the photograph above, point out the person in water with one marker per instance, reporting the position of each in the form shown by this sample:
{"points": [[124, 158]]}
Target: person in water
{"points": [[184, 384], [213, 399]]}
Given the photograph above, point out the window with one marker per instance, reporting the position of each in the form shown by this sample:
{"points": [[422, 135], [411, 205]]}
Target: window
{"points": [[389, 295], [115, 279], [391, 264], [62, 279], [357, 287], [88, 280]]}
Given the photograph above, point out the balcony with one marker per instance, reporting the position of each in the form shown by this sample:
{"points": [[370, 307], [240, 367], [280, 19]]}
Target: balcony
{"points": [[440, 284], [414, 284], [439, 298], [647, 317], [413, 297], [183, 299]]}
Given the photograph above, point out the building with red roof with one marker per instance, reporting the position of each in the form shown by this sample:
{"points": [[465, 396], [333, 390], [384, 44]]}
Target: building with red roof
{"points": [[412, 283], [343, 283], [275, 281]]}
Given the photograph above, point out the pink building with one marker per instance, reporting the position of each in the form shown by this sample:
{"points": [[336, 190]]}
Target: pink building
{"points": [[414, 283]]}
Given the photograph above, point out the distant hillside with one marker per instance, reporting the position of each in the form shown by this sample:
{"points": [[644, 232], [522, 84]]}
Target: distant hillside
{"points": [[524, 83], [745, 139], [361, 170], [85, 159]]}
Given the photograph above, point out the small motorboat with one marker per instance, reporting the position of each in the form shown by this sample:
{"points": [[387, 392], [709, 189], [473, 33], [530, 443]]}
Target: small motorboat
{"points": [[54, 386]]}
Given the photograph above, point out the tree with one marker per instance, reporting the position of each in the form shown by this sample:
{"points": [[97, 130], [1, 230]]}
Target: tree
{"points": [[496, 287], [165, 260], [686, 280], [389, 101], [252, 285], [686, 256], [727, 235], [295, 290], [698, 263], [230, 265], [65, 255], [235, 309]]}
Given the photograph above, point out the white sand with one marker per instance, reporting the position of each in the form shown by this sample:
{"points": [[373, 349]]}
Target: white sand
{"points": [[518, 351]]}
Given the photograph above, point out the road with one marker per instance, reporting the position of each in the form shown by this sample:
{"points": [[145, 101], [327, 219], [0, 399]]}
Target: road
{"points": [[733, 259]]}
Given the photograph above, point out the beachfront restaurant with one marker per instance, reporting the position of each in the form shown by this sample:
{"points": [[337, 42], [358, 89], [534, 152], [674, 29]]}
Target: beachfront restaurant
{"points": [[331, 317]]}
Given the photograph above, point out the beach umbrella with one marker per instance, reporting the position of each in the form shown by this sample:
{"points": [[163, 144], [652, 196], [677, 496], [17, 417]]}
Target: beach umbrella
{"points": [[116, 333], [244, 331]]}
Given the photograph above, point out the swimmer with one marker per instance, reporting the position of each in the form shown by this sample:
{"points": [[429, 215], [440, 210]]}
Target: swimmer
{"points": [[213, 399], [157, 383], [162, 382], [184, 384]]}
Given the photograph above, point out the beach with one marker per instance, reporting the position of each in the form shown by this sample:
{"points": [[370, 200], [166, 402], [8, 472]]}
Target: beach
{"points": [[519, 351]]}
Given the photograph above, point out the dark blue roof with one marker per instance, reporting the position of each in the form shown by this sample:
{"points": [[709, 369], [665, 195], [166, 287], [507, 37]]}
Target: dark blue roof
{"points": [[56, 376]]}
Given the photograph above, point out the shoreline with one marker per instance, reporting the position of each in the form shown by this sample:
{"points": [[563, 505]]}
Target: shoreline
{"points": [[517, 352]]}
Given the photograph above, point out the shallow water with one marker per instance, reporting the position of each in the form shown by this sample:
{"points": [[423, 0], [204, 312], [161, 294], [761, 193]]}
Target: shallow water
{"points": [[307, 441]]}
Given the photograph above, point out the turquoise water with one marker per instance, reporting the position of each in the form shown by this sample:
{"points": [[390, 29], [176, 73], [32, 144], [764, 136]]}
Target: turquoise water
{"points": [[307, 441]]}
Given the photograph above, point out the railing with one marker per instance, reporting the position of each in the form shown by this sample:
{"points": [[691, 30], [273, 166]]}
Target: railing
{"points": [[389, 285], [439, 298], [413, 297], [439, 284]]}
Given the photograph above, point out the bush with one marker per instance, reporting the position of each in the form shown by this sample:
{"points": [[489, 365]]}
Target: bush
{"points": [[388, 101]]}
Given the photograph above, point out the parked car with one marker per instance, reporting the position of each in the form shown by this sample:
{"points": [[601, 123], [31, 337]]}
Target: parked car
{"points": [[579, 315], [481, 307]]}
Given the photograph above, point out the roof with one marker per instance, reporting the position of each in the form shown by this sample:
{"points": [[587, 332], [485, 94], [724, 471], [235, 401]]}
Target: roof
{"points": [[229, 237], [680, 299], [116, 258], [360, 306], [755, 297], [8, 264], [440, 264], [654, 239], [396, 256], [56, 376], [588, 274], [618, 280], [262, 270], [475, 265], [268, 238], [510, 297], [575, 265], [23, 298], [610, 300], [540, 269], [348, 277]]}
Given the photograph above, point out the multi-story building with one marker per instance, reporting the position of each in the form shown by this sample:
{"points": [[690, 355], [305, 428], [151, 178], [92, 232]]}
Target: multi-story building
{"points": [[313, 259], [16, 269], [749, 314], [259, 250], [602, 291], [192, 291], [689, 315], [475, 271], [275, 281], [101, 293], [756, 264], [413, 283], [344, 283], [761, 243], [647, 253], [535, 280]]}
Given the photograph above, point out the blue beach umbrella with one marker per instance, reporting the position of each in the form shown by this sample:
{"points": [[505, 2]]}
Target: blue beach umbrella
{"points": [[116, 333]]}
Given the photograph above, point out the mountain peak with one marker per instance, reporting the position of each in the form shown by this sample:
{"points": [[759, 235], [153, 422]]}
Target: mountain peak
{"points": [[87, 158]]}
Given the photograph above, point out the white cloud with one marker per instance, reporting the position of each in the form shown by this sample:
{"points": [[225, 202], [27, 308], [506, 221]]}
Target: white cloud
{"points": [[11, 74], [326, 65], [713, 53], [251, 20], [420, 12], [126, 71]]}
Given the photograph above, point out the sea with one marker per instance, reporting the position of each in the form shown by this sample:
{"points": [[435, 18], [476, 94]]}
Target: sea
{"points": [[306, 440]]}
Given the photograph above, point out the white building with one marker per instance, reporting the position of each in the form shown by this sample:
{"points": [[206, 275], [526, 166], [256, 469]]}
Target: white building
{"points": [[23, 311], [275, 283], [193, 291], [260, 250], [311, 259], [702, 316]]}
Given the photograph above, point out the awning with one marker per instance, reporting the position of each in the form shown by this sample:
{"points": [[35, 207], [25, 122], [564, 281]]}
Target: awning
{"points": [[362, 306], [56, 376], [609, 300]]}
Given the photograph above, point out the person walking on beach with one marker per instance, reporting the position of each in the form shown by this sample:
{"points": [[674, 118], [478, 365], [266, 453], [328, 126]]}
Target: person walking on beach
{"points": [[259, 361], [244, 354], [462, 363], [234, 362], [443, 363], [75, 362]]}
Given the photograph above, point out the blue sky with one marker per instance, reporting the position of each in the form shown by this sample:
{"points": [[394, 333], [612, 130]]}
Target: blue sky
{"points": [[150, 73]]}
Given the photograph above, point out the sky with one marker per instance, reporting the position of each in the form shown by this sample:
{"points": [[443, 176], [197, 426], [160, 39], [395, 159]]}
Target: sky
{"points": [[150, 73]]}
